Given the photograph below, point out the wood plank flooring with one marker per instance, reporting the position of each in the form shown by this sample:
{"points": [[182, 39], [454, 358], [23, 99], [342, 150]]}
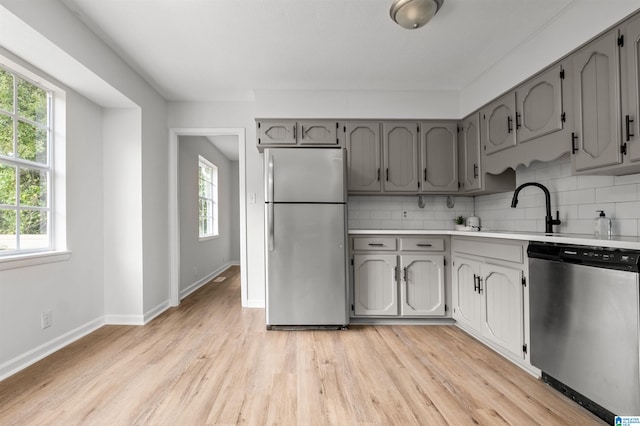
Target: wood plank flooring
{"points": [[209, 361]]}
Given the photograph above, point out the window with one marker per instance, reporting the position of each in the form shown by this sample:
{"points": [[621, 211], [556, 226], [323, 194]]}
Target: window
{"points": [[25, 165], [207, 198]]}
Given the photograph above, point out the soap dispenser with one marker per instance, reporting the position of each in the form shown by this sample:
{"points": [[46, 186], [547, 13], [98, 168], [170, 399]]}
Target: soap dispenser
{"points": [[602, 226]]}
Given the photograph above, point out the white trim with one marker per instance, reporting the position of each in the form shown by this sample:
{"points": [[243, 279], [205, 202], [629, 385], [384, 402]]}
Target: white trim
{"points": [[33, 259], [254, 303], [124, 319], [155, 312], [204, 280], [174, 216], [31, 357]]}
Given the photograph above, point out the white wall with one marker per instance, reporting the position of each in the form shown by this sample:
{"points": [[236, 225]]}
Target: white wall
{"points": [[234, 213], [200, 260], [73, 290]]}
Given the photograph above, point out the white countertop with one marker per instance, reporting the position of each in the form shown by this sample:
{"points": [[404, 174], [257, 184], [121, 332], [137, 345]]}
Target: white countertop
{"points": [[581, 239]]}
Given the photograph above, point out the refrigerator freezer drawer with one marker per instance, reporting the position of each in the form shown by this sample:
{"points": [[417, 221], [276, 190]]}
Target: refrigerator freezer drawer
{"points": [[306, 266]]}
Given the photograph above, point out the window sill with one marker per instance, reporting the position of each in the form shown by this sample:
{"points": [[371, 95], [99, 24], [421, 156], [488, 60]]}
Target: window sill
{"points": [[208, 237], [33, 259]]}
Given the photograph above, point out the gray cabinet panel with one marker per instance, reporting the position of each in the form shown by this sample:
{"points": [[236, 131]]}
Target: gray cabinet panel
{"points": [[363, 156], [375, 288], [277, 133], [400, 142], [439, 157], [597, 103], [422, 285], [498, 124], [539, 105], [470, 170], [631, 88], [318, 132]]}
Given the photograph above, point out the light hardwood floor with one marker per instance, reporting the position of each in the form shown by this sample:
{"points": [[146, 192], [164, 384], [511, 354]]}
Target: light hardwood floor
{"points": [[210, 361]]}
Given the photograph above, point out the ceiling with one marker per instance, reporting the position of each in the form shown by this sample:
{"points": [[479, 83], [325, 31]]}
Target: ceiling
{"points": [[203, 50]]}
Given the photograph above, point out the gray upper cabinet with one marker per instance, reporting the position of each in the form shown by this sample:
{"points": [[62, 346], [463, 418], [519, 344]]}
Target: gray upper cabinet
{"points": [[596, 79], [539, 109], [277, 133], [438, 157], [289, 133], [400, 148], [498, 124], [470, 178], [631, 87], [318, 132], [363, 156]]}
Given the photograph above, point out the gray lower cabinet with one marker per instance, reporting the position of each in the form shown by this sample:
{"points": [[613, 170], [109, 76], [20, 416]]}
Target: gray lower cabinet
{"points": [[438, 157], [406, 279], [400, 148], [489, 293]]}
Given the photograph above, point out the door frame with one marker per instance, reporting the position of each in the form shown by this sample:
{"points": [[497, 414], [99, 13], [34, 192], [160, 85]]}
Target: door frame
{"points": [[174, 213]]}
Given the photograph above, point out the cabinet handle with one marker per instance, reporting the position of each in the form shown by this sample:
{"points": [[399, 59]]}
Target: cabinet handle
{"points": [[475, 171], [479, 285], [301, 132], [387, 174], [395, 273], [509, 124], [518, 125], [574, 137], [475, 283], [376, 245], [405, 274], [628, 122], [295, 131], [378, 174], [425, 174], [424, 245]]}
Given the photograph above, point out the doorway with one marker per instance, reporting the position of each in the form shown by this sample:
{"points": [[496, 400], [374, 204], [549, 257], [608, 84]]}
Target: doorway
{"points": [[174, 212]]}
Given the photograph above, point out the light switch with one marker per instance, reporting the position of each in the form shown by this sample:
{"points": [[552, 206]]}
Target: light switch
{"points": [[252, 198]]}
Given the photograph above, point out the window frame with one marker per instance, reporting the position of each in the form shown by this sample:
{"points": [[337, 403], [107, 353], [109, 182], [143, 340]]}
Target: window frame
{"points": [[48, 168], [211, 201]]}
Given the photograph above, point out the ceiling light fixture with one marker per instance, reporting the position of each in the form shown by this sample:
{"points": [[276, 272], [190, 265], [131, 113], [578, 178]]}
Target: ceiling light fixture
{"points": [[412, 14]]}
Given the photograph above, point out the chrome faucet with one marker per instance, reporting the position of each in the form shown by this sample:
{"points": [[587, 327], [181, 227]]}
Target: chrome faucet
{"points": [[549, 221]]}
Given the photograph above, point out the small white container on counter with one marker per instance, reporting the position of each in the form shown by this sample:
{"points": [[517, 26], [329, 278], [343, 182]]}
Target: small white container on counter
{"points": [[602, 226]]}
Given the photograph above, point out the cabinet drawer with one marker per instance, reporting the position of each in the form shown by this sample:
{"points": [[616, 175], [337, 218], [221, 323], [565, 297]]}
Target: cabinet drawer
{"points": [[500, 250], [421, 244], [374, 243]]}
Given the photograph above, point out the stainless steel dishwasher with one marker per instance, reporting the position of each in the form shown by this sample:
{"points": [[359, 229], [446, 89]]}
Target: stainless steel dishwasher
{"points": [[585, 325]]}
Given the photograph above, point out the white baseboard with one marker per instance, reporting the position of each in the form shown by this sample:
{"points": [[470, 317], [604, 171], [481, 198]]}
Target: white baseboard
{"points": [[124, 319], [254, 303], [202, 281], [151, 314], [31, 357]]}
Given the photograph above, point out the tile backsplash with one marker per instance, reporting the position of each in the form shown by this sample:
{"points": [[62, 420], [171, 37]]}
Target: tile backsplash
{"points": [[576, 197], [403, 212]]}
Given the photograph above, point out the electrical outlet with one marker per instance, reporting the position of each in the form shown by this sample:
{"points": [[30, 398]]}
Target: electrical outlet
{"points": [[252, 198], [404, 214], [47, 319]]}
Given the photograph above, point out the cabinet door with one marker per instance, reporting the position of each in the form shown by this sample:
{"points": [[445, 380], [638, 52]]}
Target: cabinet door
{"points": [[400, 142], [439, 157], [539, 105], [422, 285], [318, 133], [470, 134], [363, 157], [502, 307], [498, 124], [466, 298], [631, 87], [597, 103], [277, 133], [375, 290]]}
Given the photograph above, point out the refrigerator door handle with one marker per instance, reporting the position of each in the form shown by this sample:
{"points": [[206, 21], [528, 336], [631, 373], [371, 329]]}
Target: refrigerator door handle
{"points": [[270, 210]]}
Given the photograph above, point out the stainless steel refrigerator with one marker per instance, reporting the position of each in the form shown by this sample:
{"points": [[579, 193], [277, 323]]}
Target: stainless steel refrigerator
{"points": [[306, 260]]}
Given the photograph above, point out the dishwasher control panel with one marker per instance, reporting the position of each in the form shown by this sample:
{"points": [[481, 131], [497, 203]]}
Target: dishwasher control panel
{"points": [[627, 260]]}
